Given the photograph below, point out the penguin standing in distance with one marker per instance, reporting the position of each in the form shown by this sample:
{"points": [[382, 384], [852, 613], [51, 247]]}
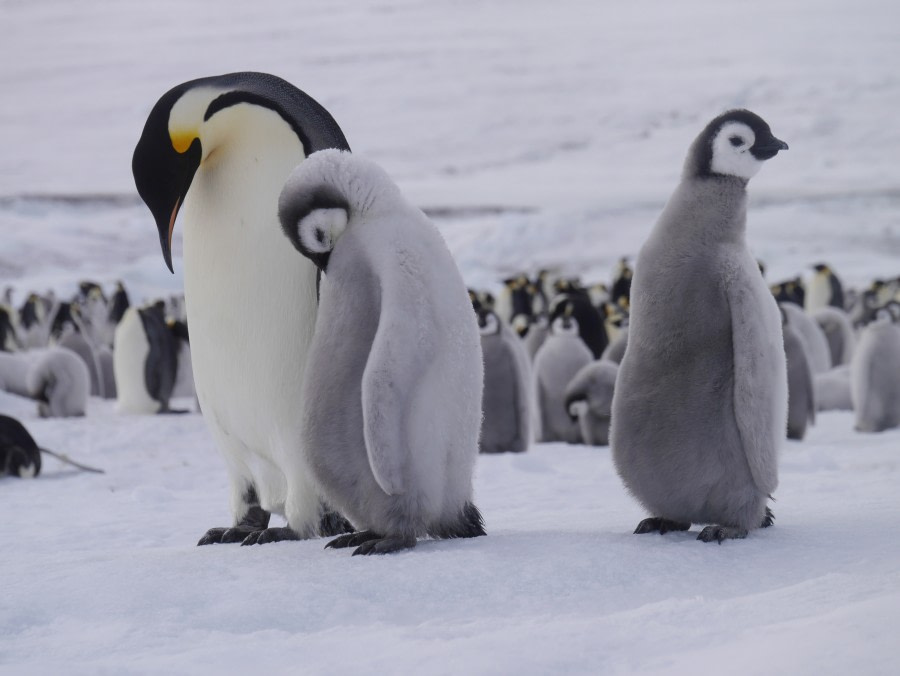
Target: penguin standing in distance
{"points": [[538, 330], [833, 389], [557, 361], [145, 361], [575, 300], [875, 375], [117, 305], [700, 404], [589, 398], [392, 392], [801, 394], [507, 400], [217, 151], [838, 329], [824, 290], [9, 340], [621, 287], [811, 335]]}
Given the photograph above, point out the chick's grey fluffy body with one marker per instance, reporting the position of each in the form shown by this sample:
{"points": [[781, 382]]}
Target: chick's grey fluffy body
{"points": [[700, 403], [393, 386]]}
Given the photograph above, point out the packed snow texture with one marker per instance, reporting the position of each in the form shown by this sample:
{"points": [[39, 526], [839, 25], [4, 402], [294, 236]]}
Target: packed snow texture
{"points": [[538, 135]]}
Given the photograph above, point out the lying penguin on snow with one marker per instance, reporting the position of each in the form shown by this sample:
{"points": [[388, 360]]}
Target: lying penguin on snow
{"points": [[393, 385]]}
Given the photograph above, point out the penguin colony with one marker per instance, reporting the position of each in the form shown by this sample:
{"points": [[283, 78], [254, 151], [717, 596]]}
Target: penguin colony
{"points": [[62, 352], [370, 332]]}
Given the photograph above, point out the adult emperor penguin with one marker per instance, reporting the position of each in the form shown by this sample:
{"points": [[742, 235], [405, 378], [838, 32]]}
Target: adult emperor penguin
{"points": [[824, 290], [145, 361], [507, 400], [700, 404], [392, 394], [217, 150]]}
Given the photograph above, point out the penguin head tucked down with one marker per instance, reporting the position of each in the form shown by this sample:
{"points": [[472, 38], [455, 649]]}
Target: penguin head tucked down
{"points": [[735, 143], [199, 122], [324, 194]]}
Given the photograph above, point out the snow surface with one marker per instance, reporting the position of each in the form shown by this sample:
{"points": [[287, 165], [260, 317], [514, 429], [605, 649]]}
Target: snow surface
{"points": [[539, 134]]}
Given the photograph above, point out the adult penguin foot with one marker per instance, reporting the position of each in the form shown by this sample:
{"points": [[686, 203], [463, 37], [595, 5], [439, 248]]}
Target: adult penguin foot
{"points": [[721, 533], [353, 539], [385, 545], [255, 520], [656, 524]]}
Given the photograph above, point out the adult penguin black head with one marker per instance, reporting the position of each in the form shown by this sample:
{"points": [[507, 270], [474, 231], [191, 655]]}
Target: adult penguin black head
{"points": [[735, 143], [193, 120]]}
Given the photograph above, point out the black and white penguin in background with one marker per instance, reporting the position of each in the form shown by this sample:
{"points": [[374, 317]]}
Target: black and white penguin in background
{"points": [[393, 386], [576, 301], [9, 340], [791, 291], [824, 290], [621, 287], [217, 151], [145, 361]]}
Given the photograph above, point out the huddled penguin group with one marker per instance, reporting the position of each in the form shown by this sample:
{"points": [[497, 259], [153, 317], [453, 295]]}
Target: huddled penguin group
{"points": [[61, 353]]}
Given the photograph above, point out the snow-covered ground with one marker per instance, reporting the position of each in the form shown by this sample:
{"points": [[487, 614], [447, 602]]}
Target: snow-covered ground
{"points": [[543, 134]]}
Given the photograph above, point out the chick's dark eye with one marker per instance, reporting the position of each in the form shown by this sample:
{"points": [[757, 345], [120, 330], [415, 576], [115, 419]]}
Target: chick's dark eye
{"points": [[736, 141]]}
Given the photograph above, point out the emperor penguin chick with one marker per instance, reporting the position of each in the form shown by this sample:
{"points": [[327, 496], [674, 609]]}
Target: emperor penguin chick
{"points": [[507, 401], [875, 376], [392, 393], [557, 361], [700, 403], [590, 393], [801, 393]]}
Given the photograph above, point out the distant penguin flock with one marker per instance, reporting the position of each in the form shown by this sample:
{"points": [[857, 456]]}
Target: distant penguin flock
{"points": [[62, 353], [350, 379]]}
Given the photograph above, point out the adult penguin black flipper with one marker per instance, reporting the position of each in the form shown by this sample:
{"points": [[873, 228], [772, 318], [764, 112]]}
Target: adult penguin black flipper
{"points": [[217, 151]]}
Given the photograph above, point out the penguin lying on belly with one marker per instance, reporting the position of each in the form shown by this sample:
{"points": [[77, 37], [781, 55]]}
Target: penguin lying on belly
{"points": [[391, 409]]}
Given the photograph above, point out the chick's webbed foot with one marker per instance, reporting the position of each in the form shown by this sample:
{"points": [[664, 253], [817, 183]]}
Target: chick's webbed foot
{"points": [[385, 545], [256, 519]]}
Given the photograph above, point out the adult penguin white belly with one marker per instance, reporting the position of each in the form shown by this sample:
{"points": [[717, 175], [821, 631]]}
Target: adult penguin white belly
{"points": [[218, 150]]}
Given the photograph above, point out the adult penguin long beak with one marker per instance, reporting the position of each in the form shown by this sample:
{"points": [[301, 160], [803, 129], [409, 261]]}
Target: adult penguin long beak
{"points": [[164, 164]]}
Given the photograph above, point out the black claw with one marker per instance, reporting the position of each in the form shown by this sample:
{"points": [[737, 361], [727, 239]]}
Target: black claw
{"points": [[212, 537], [385, 545], [352, 539], [769, 519], [251, 539], [659, 525]]}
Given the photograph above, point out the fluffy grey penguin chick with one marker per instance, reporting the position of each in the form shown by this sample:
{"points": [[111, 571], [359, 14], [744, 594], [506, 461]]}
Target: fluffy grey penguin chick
{"points": [[833, 389], [838, 329], [875, 376], [557, 361], [56, 377], [700, 405], [507, 401], [818, 353], [801, 394], [591, 392], [392, 405]]}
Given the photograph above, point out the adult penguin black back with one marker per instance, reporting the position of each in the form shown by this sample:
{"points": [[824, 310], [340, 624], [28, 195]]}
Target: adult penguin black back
{"points": [[217, 151]]}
